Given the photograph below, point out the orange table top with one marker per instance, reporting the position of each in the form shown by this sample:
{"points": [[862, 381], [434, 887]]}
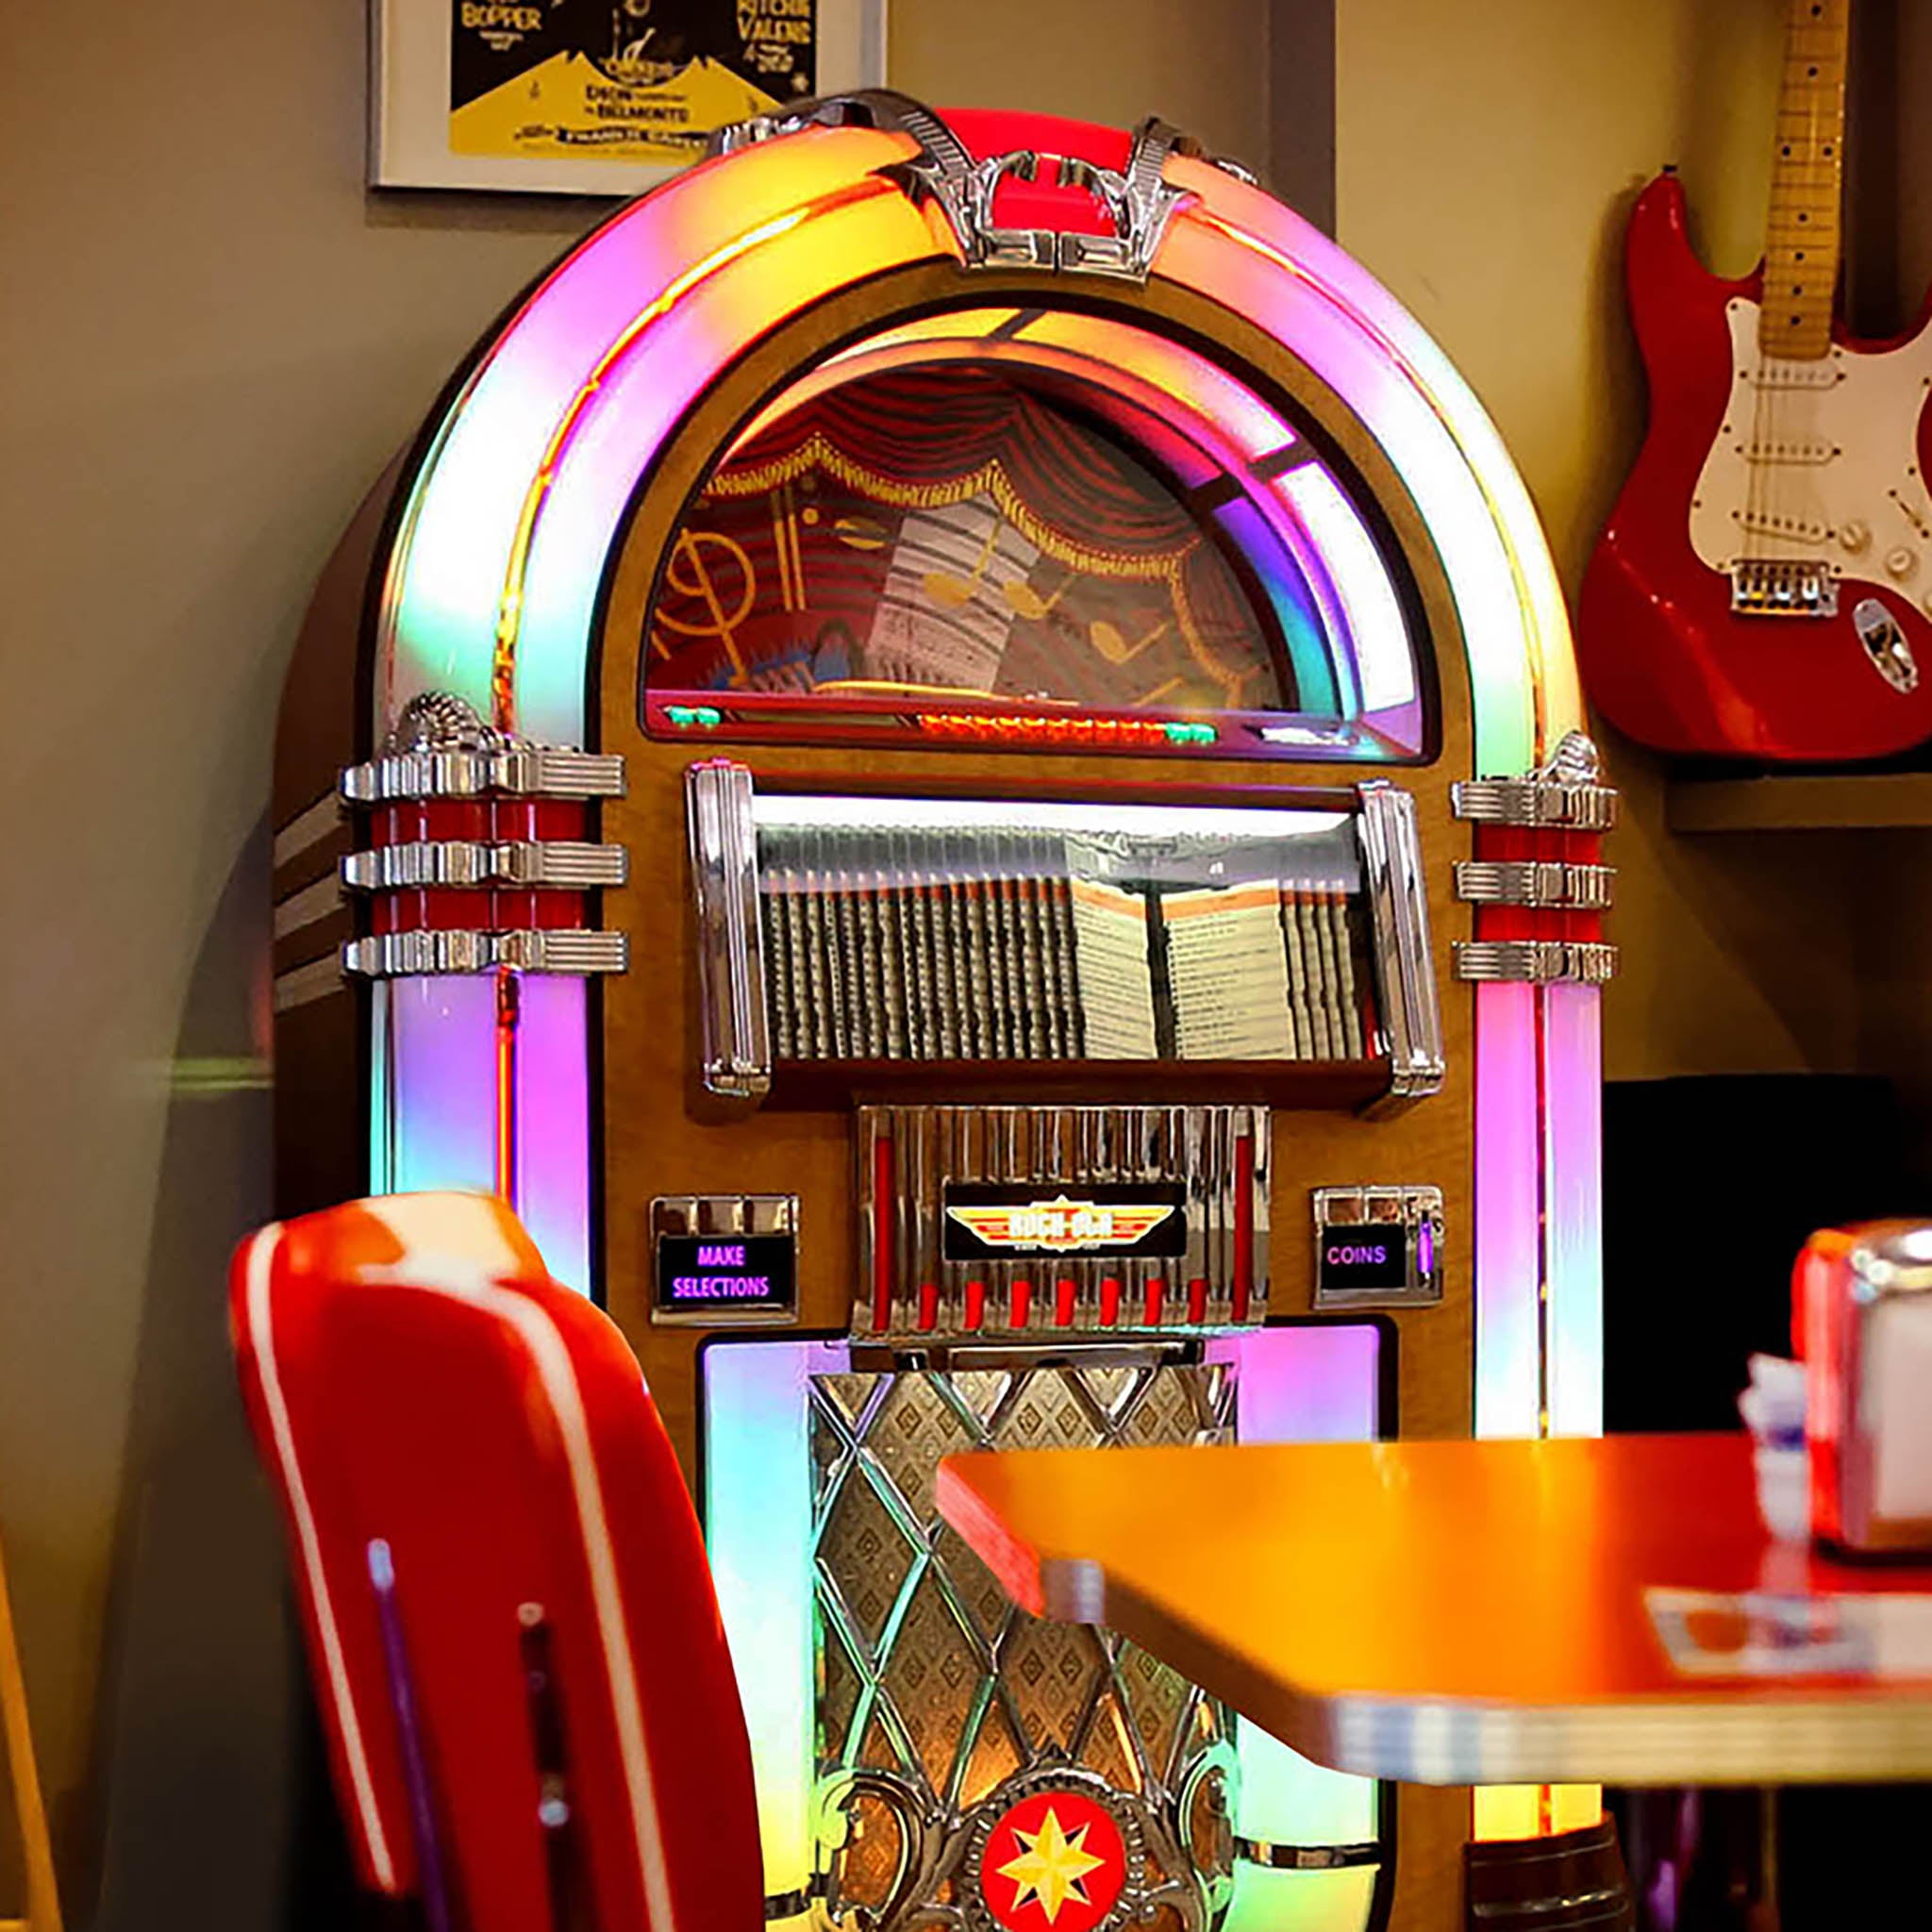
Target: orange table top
{"points": [[1495, 1612]]}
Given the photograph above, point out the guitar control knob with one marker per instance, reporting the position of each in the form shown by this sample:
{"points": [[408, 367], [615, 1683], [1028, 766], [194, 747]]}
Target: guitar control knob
{"points": [[1855, 535], [1900, 562]]}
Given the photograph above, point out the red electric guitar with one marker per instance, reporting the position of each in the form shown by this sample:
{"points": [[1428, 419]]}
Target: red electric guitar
{"points": [[1764, 584]]}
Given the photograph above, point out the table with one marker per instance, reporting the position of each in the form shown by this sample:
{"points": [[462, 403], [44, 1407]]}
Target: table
{"points": [[1477, 1613]]}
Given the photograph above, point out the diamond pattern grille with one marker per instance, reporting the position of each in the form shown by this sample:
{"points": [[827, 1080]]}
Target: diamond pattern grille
{"points": [[928, 1678]]}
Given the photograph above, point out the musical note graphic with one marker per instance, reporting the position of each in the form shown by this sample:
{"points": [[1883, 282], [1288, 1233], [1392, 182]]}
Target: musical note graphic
{"points": [[1111, 645], [1029, 604], [952, 592]]}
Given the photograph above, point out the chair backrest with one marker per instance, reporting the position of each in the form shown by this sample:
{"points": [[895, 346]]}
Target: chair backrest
{"points": [[531, 1713]]}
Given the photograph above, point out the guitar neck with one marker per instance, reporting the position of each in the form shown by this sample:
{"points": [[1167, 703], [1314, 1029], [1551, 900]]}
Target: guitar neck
{"points": [[1803, 239]]}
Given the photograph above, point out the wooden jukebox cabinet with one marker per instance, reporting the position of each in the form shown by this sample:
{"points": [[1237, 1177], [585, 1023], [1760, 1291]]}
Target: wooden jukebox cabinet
{"points": [[953, 761]]}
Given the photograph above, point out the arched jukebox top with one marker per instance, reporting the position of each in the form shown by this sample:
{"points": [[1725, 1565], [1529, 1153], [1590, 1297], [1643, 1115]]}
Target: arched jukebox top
{"points": [[959, 739], [878, 446]]}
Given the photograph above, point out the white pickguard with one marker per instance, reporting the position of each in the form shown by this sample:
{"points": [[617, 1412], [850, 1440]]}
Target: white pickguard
{"points": [[1818, 461]]}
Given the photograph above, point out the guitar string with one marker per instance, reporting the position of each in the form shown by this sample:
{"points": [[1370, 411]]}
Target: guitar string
{"points": [[1781, 511], [1770, 416]]}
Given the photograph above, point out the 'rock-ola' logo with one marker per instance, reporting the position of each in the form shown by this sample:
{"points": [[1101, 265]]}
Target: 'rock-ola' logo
{"points": [[1062, 1225]]}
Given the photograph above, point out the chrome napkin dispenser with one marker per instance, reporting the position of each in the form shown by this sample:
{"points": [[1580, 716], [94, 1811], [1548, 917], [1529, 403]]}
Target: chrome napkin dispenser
{"points": [[1862, 1315]]}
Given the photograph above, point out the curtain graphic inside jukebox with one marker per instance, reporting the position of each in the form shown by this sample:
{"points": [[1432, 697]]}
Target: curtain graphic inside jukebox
{"points": [[964, 786]]}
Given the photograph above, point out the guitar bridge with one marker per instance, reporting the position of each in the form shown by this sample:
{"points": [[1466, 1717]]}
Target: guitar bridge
{"points": [[1781, 587]]}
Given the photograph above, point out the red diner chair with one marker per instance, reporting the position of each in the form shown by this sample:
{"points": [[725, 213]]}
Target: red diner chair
{"points": [[530, 1711]]}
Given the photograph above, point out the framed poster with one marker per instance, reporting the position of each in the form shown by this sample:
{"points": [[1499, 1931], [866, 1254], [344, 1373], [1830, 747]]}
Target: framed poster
{"points": [[593, 97]]}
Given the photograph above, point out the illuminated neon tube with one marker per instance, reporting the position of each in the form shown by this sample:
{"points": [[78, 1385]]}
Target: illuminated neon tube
{"points": [[759, 1530]]}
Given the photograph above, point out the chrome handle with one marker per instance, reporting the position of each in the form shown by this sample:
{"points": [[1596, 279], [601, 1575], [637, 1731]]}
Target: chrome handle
{"points": [[724, 892], [1404, 961]]}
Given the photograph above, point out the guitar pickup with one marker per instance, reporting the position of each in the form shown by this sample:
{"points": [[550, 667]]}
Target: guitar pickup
{"points": [[1777, 587]]}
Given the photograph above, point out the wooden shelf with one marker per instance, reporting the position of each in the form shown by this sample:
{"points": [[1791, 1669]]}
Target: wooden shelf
{"points": [[1313, 1085], [1840, 802]]}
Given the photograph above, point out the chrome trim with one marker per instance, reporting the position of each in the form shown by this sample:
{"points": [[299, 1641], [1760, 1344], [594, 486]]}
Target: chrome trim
{"points": [[1712, 1735], [1546, 884], [873, 106], [1404, 961], [1060, 1148], [1575, 761], [1254, 1851], [723, 1215], [1884, 1264], [308, 827], [1403, 1208], [302, 984], [1563, 794], [570, 951], [1783, 587], [1536, 962], [725, 894], [1137, 198], [518, 770], [556, 862], [1073, 1589], [1535, 802], [1716, 1732], [440, 747], [305, 906], [1885, 643]]}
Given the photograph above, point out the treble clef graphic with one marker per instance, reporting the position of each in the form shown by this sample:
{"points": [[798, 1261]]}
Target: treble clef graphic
{"points": [[687, 574]]}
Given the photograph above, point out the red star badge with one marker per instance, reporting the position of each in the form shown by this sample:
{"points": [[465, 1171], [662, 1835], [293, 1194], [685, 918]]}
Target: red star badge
{"points": [[1052, 1863]]}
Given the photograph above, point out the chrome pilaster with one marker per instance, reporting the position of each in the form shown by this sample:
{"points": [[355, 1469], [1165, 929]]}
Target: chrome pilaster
{"points": [[724, 889], [1405, 963], [1562, 796]]}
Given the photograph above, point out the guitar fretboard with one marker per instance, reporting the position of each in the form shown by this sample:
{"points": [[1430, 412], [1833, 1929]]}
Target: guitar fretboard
{"points": [[1802, 243]]}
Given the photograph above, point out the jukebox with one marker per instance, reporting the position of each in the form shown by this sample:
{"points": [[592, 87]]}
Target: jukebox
{"points": [[953, 761]]}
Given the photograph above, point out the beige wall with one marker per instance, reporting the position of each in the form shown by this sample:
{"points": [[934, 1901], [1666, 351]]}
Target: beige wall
{"points": [[1201, 66], [209, 345], [211, 341], [1485, 158]]}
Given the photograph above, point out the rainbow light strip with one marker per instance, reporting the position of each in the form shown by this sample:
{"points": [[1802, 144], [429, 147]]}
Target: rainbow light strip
{"points": [[1315, 1384], [758, 1525], [514, 510]]}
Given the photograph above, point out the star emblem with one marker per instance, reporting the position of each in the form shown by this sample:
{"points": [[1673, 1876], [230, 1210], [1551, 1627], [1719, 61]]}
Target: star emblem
{"points": [[1053, 1860], [1051, 1867]]}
